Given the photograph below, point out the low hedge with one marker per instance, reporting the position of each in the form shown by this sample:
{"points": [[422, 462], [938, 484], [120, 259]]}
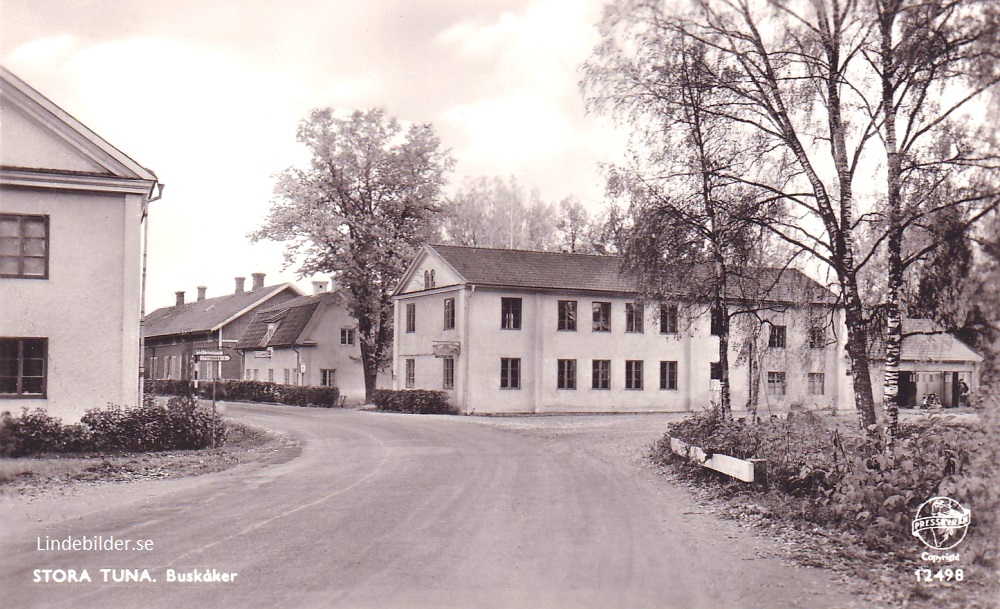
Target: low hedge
{"points": [[176, 425], [413, 401], [251, 391]]}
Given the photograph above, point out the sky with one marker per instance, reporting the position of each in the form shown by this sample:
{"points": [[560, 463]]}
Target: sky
{"points": [[208, 94]]}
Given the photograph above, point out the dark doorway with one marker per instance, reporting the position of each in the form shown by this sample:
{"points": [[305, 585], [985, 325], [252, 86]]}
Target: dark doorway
{"points": [[907, 390]]}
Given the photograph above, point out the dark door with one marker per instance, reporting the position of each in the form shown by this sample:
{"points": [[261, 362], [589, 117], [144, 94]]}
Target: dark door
{"points": [[907, 390]]}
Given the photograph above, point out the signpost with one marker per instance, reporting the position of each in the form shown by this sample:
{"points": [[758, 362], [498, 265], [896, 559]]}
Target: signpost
{"points": [[213, 355]]}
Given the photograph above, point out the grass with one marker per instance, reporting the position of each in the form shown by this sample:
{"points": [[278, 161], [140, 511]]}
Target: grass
{"points": [[244, 444]]}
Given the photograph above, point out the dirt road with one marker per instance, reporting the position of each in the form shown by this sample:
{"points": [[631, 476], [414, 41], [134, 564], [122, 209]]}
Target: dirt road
{"points": [[385, 511]]}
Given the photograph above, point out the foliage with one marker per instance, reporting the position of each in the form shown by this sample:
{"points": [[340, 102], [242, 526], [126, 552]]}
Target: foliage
{"points": [[491, 212], [843, 481], [359, 211], [176, 425], [414, 401], [253, 391]]}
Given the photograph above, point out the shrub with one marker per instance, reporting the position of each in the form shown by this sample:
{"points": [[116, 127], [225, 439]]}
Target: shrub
{"points": [[250, 391], [414, 401], [38, 432]]}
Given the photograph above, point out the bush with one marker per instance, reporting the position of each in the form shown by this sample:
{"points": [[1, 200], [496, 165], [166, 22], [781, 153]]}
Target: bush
{"points": [[176, 425], [413, 401], [251, 391]]}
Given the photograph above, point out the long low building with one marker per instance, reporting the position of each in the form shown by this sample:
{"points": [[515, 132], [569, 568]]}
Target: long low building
{"points": [[505, 331]]}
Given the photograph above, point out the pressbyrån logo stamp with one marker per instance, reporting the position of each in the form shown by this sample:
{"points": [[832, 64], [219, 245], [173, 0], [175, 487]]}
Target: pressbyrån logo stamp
{"points": [[941, 523]]}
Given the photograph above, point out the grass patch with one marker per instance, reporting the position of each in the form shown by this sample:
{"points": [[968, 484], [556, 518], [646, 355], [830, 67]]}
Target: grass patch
{"points": [[243, 444]]}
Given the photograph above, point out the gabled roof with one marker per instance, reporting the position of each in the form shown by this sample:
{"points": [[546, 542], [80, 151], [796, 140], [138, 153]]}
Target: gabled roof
{"points": [[926, 341], [587, 272], [292, 318], [210, 314], [63, 145]]}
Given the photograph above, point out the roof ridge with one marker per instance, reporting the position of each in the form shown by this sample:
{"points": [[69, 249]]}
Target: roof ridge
{"points": [[525, 251]]}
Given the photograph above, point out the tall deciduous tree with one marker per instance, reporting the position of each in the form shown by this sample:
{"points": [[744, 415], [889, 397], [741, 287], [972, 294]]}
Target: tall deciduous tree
{"points": [[367, 200], [492, 212]]}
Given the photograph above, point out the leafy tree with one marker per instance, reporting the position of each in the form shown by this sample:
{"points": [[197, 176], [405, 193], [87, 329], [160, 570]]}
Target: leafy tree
{"points": [[366, 201], [573, 226]]}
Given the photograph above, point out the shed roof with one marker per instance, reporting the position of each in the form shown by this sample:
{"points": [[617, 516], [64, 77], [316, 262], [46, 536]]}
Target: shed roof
{"points": [[587, 272], [926, 341], [210, 314]]}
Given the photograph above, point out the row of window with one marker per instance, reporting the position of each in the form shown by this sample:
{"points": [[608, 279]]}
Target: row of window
{"points": [[600, 377], [510, 319]]}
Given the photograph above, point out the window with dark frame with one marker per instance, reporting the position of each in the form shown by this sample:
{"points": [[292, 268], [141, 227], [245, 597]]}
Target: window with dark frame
{"points": [[717, 321], [776, 383], [668, 375], [347, 336], [817, 337], [510, 373], [668, 319], [633, 374], [817, 383], [777, 338], [566, 374], [510, 313], [601, 375], [633, 317], [449, 313], [567, 316], [411, 317], [602, 317], [328, 377], [411, 373], [24, 246], [715, 371], [23, 367], [448, 364]]}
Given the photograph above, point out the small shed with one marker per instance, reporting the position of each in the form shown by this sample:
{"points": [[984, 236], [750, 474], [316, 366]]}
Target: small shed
{"points": [[933, 361]]}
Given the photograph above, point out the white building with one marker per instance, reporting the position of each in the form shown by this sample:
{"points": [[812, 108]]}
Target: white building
{"points": [[72, 208], [518, 331]]}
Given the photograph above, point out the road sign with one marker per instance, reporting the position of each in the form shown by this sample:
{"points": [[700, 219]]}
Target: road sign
{"points": [[211, 357], [209, 352]]}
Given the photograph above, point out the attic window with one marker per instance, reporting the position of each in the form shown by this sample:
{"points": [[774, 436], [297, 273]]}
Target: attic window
{"points": [[272, 327], [428, 279]]}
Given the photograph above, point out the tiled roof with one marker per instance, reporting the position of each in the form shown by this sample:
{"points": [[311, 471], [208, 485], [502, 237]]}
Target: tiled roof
{"points": [[565, 271], [934, 345], [292, 317], [206, 315]]}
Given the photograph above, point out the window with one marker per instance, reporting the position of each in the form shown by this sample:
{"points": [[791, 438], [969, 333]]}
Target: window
{"points": [[776, 340], [817, 382], [510, 313], [433, 283], [270, 375], [633, 317], [566, 375], [411, 317], [510, 373], [601, 378], [717, 321], [776, 383], [288, 376], [411, 373], [668, 375], [347, 336], [23, 366], [817, 337], [24, 246], [602, 317], [449, 372], [633, 374], [256, 371], [245, 376], [428, 279], [449, 313], [715, 371], [567, 315], [327, 378], [668, 319]]}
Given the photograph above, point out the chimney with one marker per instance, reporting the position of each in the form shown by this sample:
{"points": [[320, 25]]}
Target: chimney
{"points": [[180, 298], [239, 284], [258, 280], [201, 293], [319, 287]]}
